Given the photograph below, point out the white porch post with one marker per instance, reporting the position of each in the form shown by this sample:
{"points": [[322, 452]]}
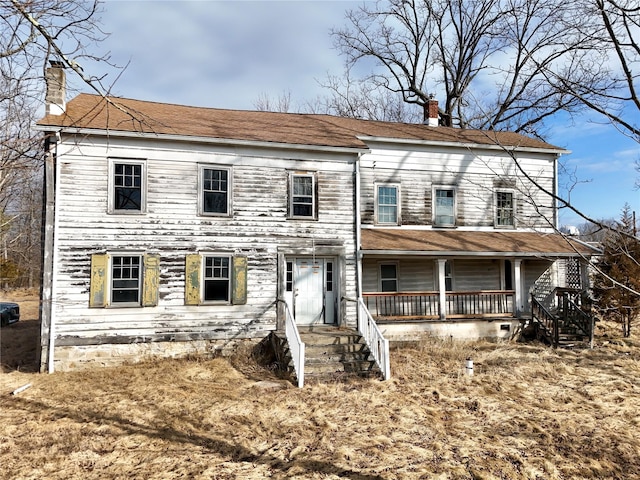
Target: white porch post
{"points": [[517, 284], [442, 288]]}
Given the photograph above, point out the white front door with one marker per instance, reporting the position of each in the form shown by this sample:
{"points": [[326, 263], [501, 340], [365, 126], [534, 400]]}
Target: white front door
{"points": [[314, 291]]}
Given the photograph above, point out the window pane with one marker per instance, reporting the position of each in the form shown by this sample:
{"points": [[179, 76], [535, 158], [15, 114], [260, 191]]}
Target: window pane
{"points": [[388, 278], [444, 205], [127, 187], [216, 279], [289, 277], [387, 204], [215, 190], [125, 284], [302, 200], [504, 208]]}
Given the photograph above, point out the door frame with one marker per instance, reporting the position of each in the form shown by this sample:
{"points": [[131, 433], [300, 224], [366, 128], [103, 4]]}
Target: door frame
{"points": [[329, 301], [339, 281]]}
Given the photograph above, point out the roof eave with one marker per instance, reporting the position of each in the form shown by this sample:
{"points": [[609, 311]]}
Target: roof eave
{"points": [[199, 139], [453, 253], [437, 143]]}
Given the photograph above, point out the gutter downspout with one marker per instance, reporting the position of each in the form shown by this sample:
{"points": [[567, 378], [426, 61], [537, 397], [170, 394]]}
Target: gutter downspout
{"points": [[555, 193], [46, 344], [358, 234]]}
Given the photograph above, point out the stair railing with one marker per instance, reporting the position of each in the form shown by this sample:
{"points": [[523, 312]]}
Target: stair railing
{"points": [[548, 321], [296, 346], [574, 315], [378, 345]]}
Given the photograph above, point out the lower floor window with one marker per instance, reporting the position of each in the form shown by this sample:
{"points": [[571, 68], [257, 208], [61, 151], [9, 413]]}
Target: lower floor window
{"points": [[213, 279], [216, 279], [125, 279], [389, 278]]}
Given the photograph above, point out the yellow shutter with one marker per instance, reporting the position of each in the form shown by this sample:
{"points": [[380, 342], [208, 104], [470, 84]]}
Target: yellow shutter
{"points": [[98, 286], [151, 280], [192, 279], [239, 281]]}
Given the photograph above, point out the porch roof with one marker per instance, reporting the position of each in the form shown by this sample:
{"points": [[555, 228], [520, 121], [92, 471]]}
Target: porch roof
{"points": [[398, 241]]}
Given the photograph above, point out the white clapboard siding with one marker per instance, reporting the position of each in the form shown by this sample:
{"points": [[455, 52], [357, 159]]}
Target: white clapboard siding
{"points": [[171, 228], [476, 176]]}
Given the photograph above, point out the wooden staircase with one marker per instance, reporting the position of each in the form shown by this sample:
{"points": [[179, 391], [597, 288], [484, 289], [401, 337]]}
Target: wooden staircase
{"points": [[331, 353], [566, 326]]}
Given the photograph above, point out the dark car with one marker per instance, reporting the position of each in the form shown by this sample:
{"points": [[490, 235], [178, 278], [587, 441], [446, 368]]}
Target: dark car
{"points": [[9, 313]]}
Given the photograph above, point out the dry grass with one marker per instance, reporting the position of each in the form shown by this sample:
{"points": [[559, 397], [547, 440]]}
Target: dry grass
{"points": [[529, 412]]}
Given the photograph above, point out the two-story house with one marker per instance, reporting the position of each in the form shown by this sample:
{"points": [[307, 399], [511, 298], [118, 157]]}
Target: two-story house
{"points": [[173, 229]]}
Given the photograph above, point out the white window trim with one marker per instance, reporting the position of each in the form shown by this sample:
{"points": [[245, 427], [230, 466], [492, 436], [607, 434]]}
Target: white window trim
{"points": [[434, 207], [204, 256], [398, 203], [314, 201], [111, 303], [495, 208], [111, 186], [201, 168], [397, 265]]}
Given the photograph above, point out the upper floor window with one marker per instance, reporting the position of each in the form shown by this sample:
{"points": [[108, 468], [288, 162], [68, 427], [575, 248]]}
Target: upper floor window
{"points": [[302, 195], [127, 187], [505, 209], [215, 191], [387, 204], [444, 214]]}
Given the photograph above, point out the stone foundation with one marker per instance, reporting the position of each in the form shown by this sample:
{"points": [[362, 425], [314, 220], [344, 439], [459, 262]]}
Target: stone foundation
{"points": [[499, 329], [69, 358]]}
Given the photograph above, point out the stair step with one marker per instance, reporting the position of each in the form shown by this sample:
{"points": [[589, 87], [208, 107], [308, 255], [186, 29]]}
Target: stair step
{"points": [[354, 366]]}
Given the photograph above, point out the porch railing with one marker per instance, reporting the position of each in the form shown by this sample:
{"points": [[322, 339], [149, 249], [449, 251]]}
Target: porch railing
{"points": [[378, 345], [426, 305], [296, 346], [480, 303]]}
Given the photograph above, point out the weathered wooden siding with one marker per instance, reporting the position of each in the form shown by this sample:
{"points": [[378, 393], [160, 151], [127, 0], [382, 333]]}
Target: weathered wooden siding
{"points": [[477, 274], [418, 274], [415, 274], [475, 174], [172, 230]]}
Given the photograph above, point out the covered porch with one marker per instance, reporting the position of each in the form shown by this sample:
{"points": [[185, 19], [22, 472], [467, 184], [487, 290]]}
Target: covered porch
{"points": [[413, 276]]}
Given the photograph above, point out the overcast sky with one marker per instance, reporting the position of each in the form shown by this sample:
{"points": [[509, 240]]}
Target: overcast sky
{"points": [[226, 54]]}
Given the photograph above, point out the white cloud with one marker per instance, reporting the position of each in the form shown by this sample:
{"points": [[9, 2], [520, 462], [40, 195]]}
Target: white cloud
{"points": [[223, 54]]}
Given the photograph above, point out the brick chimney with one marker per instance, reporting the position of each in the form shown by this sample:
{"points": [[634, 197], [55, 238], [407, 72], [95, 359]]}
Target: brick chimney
{"points": [[56, 79], [431, 112]]}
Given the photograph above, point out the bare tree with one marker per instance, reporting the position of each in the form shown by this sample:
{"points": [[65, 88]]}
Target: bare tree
{"points": [[486, 59], [356, 98], [32, 34], [616, 29], [265, 103]]}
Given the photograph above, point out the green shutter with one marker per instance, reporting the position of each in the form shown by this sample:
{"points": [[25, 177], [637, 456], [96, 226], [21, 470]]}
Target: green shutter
{"points": [[98, 285], [192, 279], [151, 280], [239, 281]]}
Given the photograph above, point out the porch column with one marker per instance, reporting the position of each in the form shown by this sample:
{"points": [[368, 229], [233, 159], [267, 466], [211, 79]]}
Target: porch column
{"points": [[442, 288], [517, 284]]}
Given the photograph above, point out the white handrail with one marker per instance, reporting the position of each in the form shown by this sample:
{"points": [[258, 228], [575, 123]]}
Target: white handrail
{"points": [[378, 345], [296, 346]]}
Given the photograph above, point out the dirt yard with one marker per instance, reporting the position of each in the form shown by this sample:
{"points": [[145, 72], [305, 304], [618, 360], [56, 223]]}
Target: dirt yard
{"points": [[528, 412], [19, 341]]}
